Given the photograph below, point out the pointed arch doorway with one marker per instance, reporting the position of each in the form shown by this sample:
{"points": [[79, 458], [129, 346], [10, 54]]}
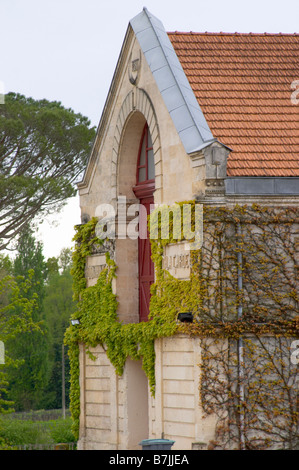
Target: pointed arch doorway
{"points": [[144, 191]]}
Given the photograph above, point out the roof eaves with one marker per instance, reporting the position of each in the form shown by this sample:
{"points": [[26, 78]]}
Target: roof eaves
{"points": [[262, 186]]}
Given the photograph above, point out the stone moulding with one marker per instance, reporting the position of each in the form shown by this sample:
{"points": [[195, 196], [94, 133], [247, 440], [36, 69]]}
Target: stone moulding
{"points": [[137, 100]]}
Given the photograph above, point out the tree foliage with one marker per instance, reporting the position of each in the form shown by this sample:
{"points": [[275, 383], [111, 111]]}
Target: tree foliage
{"points": [[58, 308], [16, 311], [27, 382], [43, 149], [33, 369]]}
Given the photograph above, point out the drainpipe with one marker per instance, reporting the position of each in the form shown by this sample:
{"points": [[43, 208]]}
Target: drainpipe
{"points": [[240, 344]]}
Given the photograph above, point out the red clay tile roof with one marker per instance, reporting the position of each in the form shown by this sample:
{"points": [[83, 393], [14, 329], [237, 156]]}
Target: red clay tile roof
{"points": [[243, 85]]}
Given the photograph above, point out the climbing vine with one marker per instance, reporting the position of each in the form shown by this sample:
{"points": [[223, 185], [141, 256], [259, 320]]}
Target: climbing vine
{"points": [[97, 314], [268, 300], [247, 322]]}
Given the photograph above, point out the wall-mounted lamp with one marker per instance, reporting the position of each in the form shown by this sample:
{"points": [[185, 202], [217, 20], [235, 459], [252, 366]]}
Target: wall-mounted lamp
{"points": [[75, 322], [185, 317]]}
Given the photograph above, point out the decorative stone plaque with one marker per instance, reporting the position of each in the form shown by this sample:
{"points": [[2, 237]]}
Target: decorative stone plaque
{"points": [[94, 265], [176, 260], [134, 67]]}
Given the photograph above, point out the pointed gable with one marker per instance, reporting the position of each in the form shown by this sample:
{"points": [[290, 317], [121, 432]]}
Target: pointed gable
{"points": [[171, 80]]}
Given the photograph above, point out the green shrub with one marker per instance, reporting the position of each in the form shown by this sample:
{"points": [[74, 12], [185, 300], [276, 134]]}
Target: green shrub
{"points": [[60, 430], [15, 432]]}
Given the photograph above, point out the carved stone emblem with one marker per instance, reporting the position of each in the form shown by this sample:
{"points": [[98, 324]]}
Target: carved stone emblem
{"points": [[134, 68]]}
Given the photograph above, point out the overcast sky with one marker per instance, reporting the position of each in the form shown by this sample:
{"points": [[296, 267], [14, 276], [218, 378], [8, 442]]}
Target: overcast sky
{"points": [[67, 50]]}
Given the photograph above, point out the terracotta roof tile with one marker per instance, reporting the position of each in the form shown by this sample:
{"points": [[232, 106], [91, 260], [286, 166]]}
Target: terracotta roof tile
{"points": [[243, 85]]}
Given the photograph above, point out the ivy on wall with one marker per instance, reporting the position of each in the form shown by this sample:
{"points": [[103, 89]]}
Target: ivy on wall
{"points": [[97, 313], [211, 293]]}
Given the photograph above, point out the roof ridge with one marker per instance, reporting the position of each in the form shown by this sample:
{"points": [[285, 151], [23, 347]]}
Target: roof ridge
{"points": [[221, 33]]}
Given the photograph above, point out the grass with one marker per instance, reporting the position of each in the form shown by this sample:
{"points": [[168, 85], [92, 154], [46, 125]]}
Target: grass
{"points": [[15, 432]]}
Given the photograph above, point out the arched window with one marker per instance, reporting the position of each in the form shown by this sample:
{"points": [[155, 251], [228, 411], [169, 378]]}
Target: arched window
{"points": [[145, 163], [144, 191]]}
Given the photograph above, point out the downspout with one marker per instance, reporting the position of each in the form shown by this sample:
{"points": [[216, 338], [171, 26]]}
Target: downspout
{"points": [[240, 342]]}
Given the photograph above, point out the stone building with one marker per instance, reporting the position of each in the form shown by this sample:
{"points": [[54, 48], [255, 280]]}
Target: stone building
{"points": [[211, 117]]}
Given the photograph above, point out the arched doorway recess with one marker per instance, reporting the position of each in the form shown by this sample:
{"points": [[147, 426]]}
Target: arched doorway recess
{"points": [[135, 113], [144, 191]]}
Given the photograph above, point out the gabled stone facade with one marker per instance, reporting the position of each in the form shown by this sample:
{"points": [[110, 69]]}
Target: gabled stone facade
{"points": [[150, 86]]}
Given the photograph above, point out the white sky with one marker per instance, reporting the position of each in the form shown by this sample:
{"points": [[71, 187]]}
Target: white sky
{"points": [[67, 50]]}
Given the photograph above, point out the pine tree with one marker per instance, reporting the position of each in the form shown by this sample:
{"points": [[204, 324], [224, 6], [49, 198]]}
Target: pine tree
{"points": [[44, 148]]}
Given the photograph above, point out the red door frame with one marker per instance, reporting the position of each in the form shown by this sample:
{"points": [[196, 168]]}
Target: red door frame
{"points": [[144, 191]]}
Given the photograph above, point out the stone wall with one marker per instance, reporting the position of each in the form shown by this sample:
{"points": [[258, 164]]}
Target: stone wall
{"points": [[118, 412], [114, 409], [178, 410]]}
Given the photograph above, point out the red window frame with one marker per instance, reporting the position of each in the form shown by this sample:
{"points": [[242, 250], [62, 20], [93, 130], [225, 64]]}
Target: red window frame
{"points": [[144, 191], [145, 136]]}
